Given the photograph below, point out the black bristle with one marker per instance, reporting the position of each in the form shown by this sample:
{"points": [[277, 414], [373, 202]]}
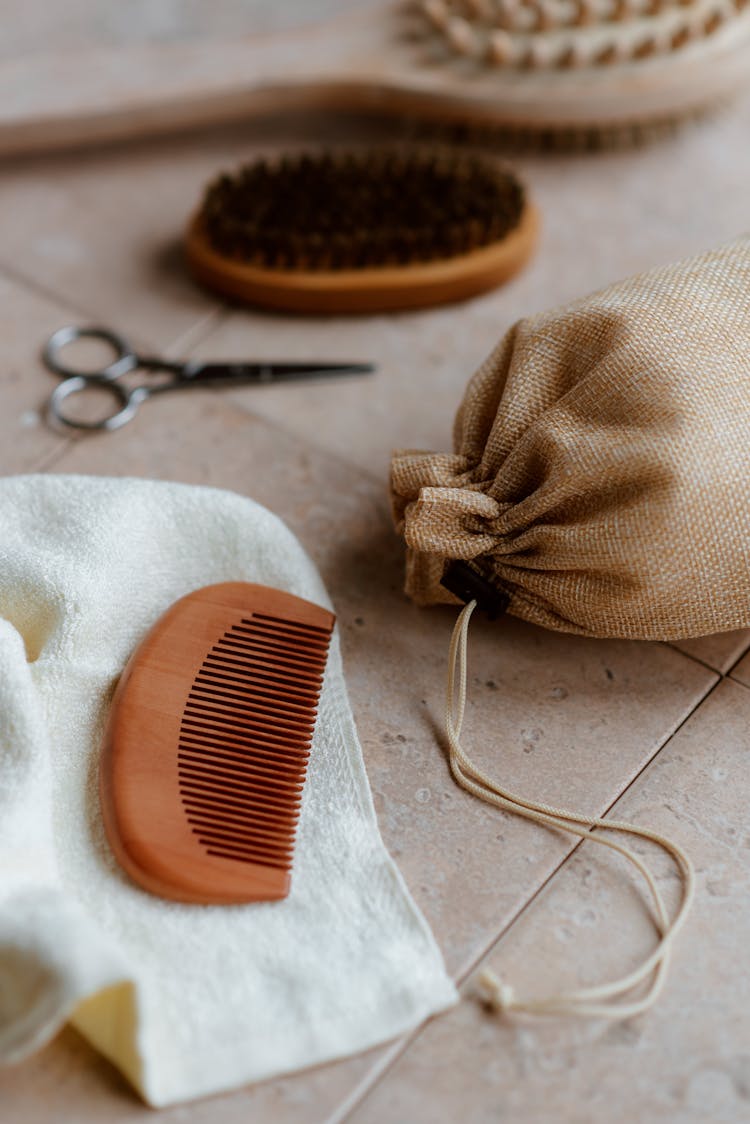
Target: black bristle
{"points": [[355, 210]]}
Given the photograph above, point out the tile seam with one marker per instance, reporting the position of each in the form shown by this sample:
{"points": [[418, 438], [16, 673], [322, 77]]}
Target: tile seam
{"points": [[39, 289], [337, 458], [704, 663]]}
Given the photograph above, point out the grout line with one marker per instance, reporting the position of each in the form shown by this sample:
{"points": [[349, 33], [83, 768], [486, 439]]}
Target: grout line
{"points": [[224, 314], [737, 662], [694, 658], [39, 289], [381, 1070], [55, 455], [194, 334], [184, 343], [338, 458], [189, 338], [304, 443], [703, 663], [192, 337], [462, 977]]}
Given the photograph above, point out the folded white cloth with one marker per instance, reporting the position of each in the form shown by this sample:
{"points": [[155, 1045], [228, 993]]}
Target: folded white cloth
{"points": [[186, 1000]]}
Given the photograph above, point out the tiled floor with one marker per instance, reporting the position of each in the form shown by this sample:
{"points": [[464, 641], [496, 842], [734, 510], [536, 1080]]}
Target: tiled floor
{"points": [[656, 731]]}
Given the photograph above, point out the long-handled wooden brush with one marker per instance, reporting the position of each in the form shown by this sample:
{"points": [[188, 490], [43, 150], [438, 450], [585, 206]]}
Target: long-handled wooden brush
{"points": [[575, 68]]}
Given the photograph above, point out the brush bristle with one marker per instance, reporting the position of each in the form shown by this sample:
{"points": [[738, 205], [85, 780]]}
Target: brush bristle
{"points": [[352, 210], [521, 140], [245, 738]]}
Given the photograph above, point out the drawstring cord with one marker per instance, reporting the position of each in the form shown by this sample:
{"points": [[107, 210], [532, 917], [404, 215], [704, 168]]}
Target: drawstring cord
{"points": [[610, 1000]]}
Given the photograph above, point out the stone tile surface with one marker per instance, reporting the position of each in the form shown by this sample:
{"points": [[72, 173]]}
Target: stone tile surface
{"points": [[101, 230], [103, 227], [720, 652], [742, 671], [69, 1081], [26, 320], [423, 361], [614, 214], [687, 1060]]}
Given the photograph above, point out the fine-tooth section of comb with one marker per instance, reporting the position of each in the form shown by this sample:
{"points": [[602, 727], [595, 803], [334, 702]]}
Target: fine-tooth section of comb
{"points": [[208, 742], [261, 749]]}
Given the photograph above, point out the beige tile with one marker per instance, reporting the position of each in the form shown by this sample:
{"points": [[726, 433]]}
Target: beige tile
{"points": [[103, 228], [720, 652], [68, 1081], [423, 363], [554, 717], [688, 1059], [26, 320], [617, 213], [742, 671]]}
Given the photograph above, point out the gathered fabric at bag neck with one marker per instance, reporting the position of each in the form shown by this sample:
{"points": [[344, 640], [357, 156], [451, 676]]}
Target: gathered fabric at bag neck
{"points": [[596, 486]]}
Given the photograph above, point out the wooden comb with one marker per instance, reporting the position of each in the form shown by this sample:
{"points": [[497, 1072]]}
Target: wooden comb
{"points": [[207, 744]]}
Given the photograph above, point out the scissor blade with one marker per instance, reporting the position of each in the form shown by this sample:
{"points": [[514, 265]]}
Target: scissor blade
{"points": [[280, 371], [228, 373]]}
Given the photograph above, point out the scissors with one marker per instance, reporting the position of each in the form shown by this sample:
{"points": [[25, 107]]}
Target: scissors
{"points": [[125, 359]]}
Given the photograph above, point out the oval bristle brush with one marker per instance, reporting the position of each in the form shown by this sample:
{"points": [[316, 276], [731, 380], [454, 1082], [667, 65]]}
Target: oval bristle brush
{"points": [[207, 744], [362, 231]]}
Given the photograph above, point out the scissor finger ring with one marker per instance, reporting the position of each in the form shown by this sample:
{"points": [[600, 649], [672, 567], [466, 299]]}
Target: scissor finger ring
{"points": [[125, 359], [127, 402]]}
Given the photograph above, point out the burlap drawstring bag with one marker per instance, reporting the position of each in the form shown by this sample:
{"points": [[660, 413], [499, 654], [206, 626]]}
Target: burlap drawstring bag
{"points": [[598, 485]]}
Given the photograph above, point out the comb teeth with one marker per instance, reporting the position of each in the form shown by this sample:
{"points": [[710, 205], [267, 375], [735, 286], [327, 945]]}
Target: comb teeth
{"points": [[245, 738]]}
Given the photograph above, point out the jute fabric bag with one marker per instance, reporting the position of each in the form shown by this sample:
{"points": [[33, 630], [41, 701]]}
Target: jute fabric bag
{"points": [[601, 462], [598, 485]]}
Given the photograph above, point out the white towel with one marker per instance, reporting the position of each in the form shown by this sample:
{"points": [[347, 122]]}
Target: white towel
{"points": [[186, 1000]]}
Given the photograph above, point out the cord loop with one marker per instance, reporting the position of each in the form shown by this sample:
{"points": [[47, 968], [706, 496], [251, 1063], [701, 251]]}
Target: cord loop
{"points": [[613, 1000]]}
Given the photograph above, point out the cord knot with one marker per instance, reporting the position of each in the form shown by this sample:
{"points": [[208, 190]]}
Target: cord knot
{"points": [[495, 994]]}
